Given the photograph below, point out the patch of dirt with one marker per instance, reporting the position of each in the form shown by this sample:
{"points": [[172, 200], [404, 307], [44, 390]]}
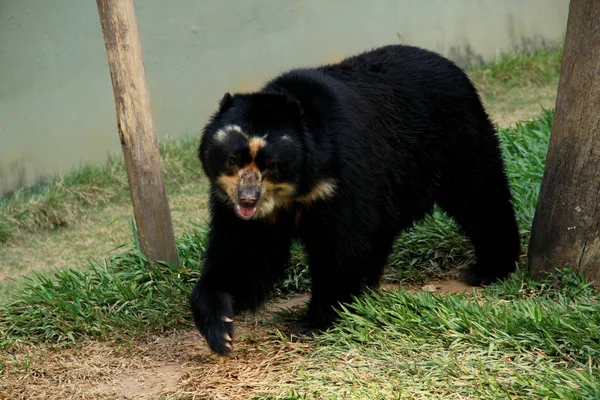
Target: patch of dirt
{"points": [[448, 286], [292, 303], [443, 286], [146, 383], [174, 366]]}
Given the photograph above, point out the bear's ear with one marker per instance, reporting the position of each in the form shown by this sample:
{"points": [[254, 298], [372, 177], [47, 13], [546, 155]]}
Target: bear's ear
{"points": [[295, 108], [225, 102]]}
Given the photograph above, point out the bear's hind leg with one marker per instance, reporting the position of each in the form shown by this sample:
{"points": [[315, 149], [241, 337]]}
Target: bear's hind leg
{"points": [[484, 212]]}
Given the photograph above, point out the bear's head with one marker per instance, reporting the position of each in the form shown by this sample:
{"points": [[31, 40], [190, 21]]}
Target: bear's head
{"points": [[251, 151]]}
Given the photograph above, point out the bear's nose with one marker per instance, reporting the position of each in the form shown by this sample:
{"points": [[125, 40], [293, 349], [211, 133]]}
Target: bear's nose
{"points": [[249, 195]]}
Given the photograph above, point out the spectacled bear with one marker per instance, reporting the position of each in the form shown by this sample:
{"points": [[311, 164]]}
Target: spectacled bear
{"points": [[343, 157]]}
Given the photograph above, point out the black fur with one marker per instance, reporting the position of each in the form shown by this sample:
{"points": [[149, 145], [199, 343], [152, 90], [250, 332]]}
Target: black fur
{"points": [[398, 129]]}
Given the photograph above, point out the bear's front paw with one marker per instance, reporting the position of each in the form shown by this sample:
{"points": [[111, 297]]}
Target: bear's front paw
{"points": [[219, 334], [213, 317]]}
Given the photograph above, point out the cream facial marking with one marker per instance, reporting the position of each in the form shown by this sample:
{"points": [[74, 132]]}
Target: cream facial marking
{"points": [[255, 144], [275, 196], [222, 134]]}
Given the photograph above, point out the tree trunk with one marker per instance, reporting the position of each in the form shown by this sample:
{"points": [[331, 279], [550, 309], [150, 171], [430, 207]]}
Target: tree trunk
{"points": [[567, 219], [136, 130]]}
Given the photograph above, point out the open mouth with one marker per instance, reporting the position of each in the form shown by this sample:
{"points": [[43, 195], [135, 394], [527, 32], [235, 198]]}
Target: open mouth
{"points": [[245, 212]]}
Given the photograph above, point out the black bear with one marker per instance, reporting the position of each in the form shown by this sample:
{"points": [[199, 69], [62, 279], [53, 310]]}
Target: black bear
{"points": [[343, 157]]}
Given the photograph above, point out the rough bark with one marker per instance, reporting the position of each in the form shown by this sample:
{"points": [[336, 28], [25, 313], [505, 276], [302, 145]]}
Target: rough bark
{"points": [[136, 130], [567, 219]]}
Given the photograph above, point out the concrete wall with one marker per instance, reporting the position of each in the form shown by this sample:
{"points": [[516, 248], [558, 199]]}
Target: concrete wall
{"points": [[56, 105]]}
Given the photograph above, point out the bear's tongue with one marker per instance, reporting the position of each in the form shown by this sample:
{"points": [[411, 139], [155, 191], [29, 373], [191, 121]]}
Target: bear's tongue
{"points": [[246, 212]]}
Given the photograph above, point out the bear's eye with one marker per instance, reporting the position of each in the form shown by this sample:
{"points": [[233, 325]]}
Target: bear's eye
{"points": [[232, 162], [271, 166]]}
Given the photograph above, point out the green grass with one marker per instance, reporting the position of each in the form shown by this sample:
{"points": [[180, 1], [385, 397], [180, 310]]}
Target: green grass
{"points": [[58, 202], [516, 340]]}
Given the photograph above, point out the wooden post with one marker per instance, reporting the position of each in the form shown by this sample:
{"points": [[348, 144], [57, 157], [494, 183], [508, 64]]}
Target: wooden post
{"points": [[136, 130], [566, 224]]}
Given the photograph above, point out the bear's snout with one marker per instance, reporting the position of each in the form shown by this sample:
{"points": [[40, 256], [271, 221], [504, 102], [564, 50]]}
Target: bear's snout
{"points": [[248, 195]]}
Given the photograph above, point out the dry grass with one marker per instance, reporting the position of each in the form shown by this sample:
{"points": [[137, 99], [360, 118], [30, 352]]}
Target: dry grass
{"points": [[96, 232], [519, 104]]}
